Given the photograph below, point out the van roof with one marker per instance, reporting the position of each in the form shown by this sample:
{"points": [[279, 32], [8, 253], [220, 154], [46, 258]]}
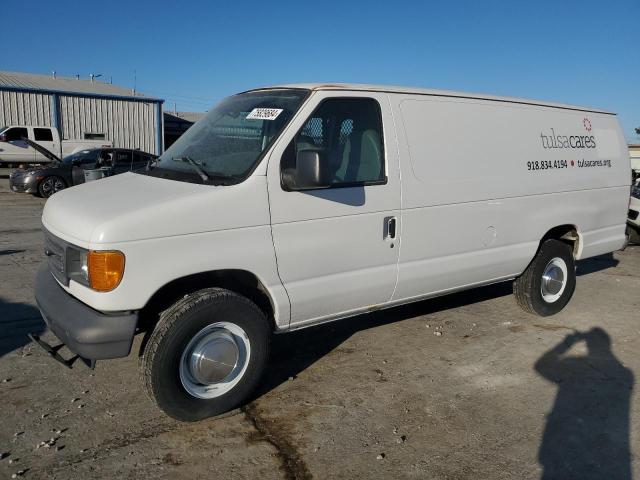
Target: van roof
{"points": [[430, 92]]}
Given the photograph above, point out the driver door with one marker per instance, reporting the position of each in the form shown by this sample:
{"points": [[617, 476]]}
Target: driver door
{"points": [[337, 247], [14, 148]]}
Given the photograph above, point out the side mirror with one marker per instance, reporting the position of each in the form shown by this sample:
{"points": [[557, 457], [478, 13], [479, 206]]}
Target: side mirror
{"points": [[309, 172], [3, 137]]}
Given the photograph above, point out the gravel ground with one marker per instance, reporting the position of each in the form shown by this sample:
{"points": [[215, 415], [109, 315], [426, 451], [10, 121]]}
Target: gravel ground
{"points": [[461, 387]]}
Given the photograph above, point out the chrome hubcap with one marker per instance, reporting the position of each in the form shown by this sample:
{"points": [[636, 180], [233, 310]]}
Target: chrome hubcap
{"points": [[554, 280], [214, 360]]}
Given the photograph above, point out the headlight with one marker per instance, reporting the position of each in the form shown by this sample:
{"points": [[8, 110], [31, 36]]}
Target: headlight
{"points": [[77, 268], [105, 268], [101, 270], [635, 191]]}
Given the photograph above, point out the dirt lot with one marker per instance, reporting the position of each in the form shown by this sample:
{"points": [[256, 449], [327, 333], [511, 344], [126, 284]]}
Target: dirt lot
{"points": [[377, 396]]}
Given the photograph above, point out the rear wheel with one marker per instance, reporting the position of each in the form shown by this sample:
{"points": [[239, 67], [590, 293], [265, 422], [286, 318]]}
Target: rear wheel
{"points": [[206, 354], [549, 281], [51, 185]]}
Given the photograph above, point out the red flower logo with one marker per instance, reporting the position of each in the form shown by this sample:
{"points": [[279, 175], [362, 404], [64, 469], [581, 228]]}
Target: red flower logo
{"points": [[587, 124]]}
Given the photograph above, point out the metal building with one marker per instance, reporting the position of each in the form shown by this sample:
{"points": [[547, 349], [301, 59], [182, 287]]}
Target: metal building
{"points": [[176, 123], [82, 109]]}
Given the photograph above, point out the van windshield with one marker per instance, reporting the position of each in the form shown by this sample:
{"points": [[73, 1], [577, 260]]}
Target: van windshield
{"points": [[82, 157], [228, 142]]}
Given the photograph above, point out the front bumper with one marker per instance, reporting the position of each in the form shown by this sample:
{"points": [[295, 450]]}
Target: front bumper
{"points": [[22, 187], [90, 334]]}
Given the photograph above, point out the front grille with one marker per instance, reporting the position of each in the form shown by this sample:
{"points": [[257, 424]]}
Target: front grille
{"points": [[632, 215], [56, 251]]}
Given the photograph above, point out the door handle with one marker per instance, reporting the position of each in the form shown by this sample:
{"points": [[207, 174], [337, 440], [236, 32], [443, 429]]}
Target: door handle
{"points": [[391, 227]]}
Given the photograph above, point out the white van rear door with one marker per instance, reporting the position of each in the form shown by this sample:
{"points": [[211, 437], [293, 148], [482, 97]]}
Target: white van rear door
{"points": [[337, 248]]}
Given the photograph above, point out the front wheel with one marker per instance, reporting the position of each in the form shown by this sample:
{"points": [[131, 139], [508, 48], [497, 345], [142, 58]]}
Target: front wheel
{"points": [[546, 286], [206, 354], [51, 185]]}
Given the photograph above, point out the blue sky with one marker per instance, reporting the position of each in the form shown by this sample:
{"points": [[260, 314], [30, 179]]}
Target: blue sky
{"points": [[194, 53]]}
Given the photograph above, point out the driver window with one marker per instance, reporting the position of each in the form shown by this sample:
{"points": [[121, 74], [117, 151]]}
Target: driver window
{"points": [[16, 133], [347, 133], [105, 159], [88, 159]]}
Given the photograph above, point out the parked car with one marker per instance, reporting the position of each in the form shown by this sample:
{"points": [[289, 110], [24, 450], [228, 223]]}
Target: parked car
{"points": [[285, 207], [633, 216], [15, 150], [59, 174]]}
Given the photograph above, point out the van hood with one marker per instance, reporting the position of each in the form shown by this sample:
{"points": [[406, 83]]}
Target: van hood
{"points": [[131, 207]]}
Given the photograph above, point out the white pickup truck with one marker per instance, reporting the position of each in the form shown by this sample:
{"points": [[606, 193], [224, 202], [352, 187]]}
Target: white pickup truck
{"points": [[14, 149]]}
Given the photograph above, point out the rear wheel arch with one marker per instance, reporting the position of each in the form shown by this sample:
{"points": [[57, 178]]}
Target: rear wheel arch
{"points": [[567, 233]]}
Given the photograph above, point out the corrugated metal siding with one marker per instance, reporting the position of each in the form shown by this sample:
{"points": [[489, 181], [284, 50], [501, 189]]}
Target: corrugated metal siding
{"points": [[127, 124], [22, 108]]}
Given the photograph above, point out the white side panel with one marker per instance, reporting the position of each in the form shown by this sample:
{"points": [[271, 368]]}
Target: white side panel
{"points": [[449, 246], [475, 202], [465, 151]]}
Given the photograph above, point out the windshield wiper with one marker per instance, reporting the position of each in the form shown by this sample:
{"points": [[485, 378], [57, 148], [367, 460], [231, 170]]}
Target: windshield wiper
{"points": [[196, 166]]}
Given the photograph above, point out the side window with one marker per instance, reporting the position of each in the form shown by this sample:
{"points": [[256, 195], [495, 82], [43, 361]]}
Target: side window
{"points": [[105, 159], [139, 160], [122, 160], [43, 134], [88, 159], [347, 133], [93, 136], [16, 133]]}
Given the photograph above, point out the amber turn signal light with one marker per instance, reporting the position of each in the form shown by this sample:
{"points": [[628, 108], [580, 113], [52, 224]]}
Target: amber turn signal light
{"points": [[106, 269]]}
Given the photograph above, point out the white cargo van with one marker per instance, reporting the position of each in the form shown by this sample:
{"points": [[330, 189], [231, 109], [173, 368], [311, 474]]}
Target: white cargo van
{"points": [[291, 206], [14, 148]]}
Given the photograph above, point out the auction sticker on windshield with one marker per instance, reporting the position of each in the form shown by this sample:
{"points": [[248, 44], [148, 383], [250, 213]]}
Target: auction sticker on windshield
{"points": [[264, 114]]}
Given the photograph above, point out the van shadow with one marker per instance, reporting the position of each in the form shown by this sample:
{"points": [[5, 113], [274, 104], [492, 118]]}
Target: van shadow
{"points": [[586, 435], [294, 352], [596, 264], [16, 321]]}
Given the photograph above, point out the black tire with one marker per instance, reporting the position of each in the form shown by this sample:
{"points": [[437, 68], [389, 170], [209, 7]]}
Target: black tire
{"points": [[634, 235], [161, 359], [528, 287], [50, 185]]}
